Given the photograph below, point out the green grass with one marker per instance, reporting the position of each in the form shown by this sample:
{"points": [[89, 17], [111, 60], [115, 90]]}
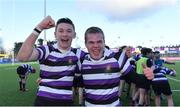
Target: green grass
{"points": [[175, 84], [11, 96], [9, 88]]}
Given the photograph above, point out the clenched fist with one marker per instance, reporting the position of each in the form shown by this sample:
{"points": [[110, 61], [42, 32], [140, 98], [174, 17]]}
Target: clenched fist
{"points": [[46, 23]]}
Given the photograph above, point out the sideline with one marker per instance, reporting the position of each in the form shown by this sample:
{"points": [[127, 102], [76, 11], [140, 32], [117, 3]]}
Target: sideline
{"points": [[175, 90], [9, 68]]}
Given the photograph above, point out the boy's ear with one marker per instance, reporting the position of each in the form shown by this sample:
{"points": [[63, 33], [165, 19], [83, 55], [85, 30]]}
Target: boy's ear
{"points": [[55, 34], [74, 35]]}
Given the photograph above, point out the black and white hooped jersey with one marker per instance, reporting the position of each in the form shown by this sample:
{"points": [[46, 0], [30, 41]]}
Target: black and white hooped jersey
{"points": [[28, 68], [161, 72]]}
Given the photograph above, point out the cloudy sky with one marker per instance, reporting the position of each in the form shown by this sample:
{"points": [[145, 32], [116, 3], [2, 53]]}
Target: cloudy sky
{"points": [[124, 22]]}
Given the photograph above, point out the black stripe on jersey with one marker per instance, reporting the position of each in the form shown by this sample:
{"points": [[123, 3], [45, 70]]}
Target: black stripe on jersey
{"points": [[109, 101], [107, 57], [57, 87], [159, 76], [58, 63], [74, 50], [51, 48], [44, 51], [117, 55], [123, 63], [98, 71], [44, 101], [106, 86], [55, 76]]}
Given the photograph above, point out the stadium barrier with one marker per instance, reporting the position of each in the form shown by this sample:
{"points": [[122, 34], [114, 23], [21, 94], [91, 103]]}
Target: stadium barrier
{"points": [[171, 58], [6, 60]]}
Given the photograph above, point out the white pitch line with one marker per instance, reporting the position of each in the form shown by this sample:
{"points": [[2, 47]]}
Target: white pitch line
{"points": [[175, 90], [174, 79], [9, 68]]}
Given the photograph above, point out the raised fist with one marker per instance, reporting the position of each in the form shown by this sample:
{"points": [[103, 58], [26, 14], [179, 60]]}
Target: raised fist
{"points": [[46, 23]]}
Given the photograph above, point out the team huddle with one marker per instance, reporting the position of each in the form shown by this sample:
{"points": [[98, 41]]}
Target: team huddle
{"points": [[97, 73], [141, 86]]}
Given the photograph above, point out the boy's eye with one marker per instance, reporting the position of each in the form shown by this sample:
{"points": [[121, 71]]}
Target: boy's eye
{"points": [[69, 31], [90, 42]]}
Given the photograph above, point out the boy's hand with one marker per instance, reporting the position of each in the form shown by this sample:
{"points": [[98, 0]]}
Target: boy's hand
{"points": [[46, 23], [148, 72]]}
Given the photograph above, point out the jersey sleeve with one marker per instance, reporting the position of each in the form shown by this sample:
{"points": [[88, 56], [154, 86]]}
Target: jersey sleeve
{"points": [[80, 54], [169, 71], [122, 58], [124, 63], [43, 52], [128, 67]]}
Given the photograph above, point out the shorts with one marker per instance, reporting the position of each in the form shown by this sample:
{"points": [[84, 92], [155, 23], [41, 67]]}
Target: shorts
{"points": [[22, 76], [161, 87], [142, 82], [122, 77], [131, 77], [78, 81]]}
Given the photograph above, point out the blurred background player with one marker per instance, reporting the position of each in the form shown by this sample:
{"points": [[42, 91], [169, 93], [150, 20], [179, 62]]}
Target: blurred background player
{"points": [[142, 82], [124, 81], [161, 85], [160, 82], [23, 71], [158, 61]]}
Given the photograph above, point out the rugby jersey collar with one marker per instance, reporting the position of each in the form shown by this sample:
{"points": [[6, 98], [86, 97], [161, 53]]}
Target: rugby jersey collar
{"points": [[96, 61], [61, 50], [106, 54]]}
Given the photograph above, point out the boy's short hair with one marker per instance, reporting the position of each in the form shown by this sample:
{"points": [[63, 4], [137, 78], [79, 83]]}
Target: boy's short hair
{"points": [[93, 30], [64, 20], [156, 52], [145, 51]]}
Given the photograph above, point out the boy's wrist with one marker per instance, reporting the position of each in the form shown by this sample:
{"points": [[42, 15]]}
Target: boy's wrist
{"points": [[37, 31]]}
